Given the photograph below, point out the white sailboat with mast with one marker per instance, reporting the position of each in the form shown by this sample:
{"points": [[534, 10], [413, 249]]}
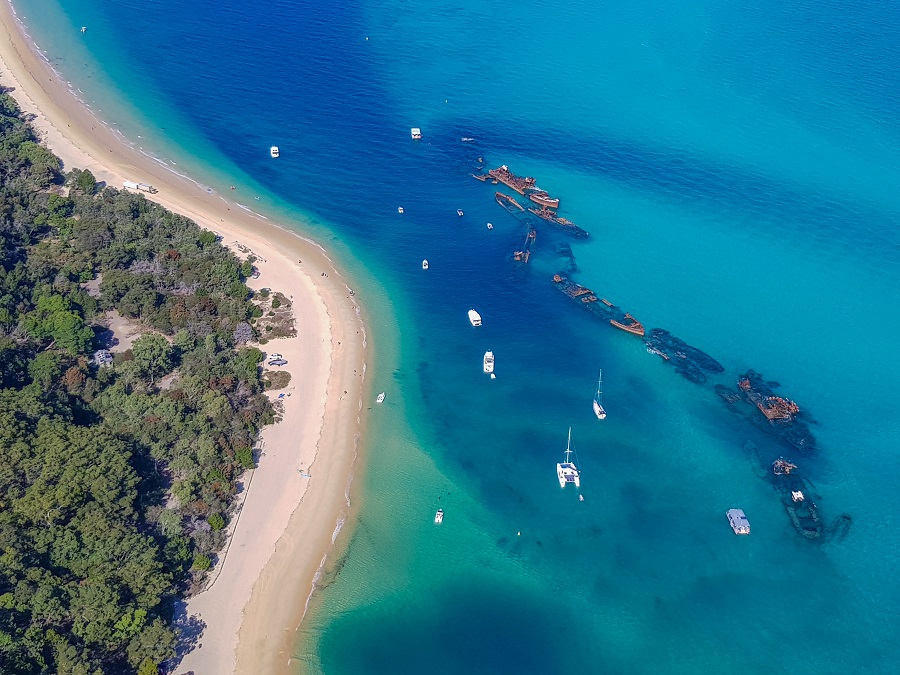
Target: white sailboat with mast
{"points": [[598, 399], [566, 471]]}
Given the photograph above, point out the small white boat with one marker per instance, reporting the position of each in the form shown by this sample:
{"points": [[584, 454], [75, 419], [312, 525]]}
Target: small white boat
{"points": [[474, 318], [416, 133], [581, 498], [598, 399], [493, 376], [490, 226], [460, 213], [424, 264], [380, 398], [400, 210], [489, 362], [466, 139], [274, 151], [439, 517], [738, 521], [84, 29], [566, 471]]}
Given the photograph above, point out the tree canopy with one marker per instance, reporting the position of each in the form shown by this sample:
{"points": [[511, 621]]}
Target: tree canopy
{"points": [[114, 489]]}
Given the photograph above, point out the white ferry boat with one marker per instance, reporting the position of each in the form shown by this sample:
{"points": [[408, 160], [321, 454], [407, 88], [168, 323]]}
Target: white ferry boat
{"points": [[489, 362], [474, 318], [416, 133], [424, 264], [598, 399], [439, 517], [380, 398], [274, 151], [566, 471], [738, 521]]}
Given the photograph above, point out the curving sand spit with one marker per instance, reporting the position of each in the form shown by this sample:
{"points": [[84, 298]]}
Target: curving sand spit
{"points": [[296, 498]]}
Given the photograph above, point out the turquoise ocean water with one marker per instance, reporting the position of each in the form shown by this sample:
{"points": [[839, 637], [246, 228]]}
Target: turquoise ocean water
{"points": [[737, 168]]}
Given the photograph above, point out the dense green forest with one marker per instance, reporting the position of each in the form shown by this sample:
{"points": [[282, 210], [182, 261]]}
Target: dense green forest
{"points": [[115, 479]]}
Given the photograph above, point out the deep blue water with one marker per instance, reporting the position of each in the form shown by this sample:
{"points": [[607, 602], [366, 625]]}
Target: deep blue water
{"points": [[737, 168]]}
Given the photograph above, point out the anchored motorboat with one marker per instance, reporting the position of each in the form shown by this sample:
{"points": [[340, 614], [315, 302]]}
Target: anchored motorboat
{"points": [[474, 318], [439, 517], [489, 362], [400, 210], [738, 521], [424, 264], [274, 151], [380, 398], [460, 213]]}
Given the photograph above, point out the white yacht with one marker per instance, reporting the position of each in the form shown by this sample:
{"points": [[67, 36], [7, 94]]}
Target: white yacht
{"points": [[489, 362], [439, 517], [274, 151], [490, 226], [460, 213], [424, 264], [380, 398], [474, 318], [400, 210], [566, 471], [598, 399], [738, 521], [416, 133]]}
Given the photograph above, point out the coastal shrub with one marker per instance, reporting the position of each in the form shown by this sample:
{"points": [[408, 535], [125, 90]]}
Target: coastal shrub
{"points": [[85, 181], [245, 457], [207, 238], [147, 667], [276, 303], [246, 269], [202, 562], [278, 379], [216, 521]]}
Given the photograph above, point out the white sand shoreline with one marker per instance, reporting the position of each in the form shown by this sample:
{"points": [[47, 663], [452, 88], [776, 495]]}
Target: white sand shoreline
{"points": [[288, 523]]}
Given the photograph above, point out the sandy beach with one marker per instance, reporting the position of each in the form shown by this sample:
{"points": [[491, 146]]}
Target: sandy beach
{"points": [[296, 498]]}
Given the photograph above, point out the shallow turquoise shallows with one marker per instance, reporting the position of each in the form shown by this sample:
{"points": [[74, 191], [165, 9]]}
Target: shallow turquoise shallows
{"points": [[736, 165]]}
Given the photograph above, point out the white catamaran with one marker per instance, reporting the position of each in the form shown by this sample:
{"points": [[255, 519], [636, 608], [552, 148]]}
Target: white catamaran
{"points": [[566, 471], [598, 399]]}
